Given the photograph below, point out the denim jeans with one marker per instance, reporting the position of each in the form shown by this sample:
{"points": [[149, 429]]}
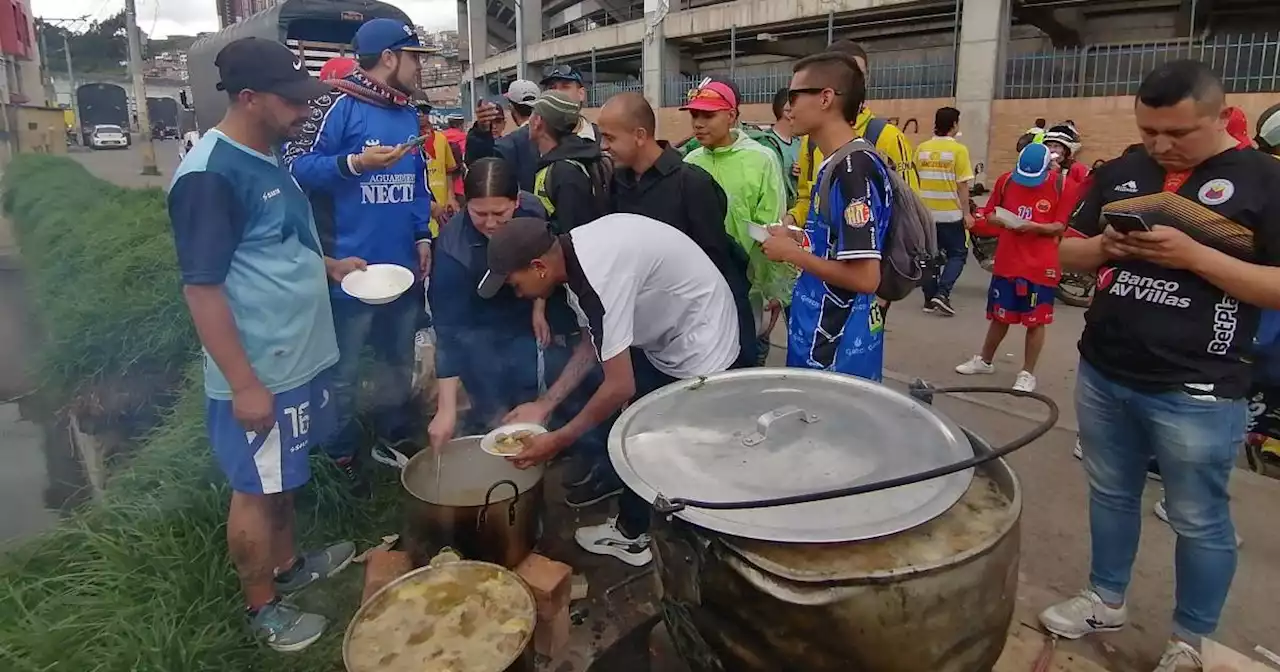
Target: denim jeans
{"points": [[1195, 441], [953, 245], [389, 330]]}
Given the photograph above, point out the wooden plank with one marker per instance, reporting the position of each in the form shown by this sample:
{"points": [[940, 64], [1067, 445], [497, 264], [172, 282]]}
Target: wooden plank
{"points": [[1024, 648]]}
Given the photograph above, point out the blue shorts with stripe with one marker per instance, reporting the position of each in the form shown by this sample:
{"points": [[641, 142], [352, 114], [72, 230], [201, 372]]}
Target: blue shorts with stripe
{"points": [[277, 461]]}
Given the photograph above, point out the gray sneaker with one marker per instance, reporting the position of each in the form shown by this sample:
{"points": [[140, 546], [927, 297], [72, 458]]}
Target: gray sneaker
{"points": [[318, 565], [286, 628]]}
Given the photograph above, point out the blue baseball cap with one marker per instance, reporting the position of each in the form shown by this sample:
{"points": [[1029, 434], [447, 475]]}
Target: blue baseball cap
{"points": [[1033, 165], [381, 35]]}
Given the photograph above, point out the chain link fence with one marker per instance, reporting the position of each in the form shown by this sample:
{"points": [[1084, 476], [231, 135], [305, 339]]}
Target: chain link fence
{"points": [[1246, 64]]}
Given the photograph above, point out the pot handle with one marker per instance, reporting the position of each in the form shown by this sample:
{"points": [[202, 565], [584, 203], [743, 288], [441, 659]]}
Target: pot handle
{"points": [[389, 456], [764, 422], [488, 495]]}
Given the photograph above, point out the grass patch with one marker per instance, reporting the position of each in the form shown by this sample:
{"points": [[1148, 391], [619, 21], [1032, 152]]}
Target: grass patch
{"points": [[104, 278], [141, 582]]}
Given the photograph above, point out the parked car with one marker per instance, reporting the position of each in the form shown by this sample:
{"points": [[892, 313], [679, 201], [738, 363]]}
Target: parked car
{"points": [[104, 136]]}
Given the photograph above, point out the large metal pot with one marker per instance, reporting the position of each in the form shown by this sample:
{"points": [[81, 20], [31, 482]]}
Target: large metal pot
{"points": [[766, 567], [479, 504], [461, 577], [899, 604]]}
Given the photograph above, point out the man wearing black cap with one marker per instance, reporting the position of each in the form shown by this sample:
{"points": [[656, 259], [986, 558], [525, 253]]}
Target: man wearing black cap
{"points": [[357, 153], [656, 310], [253, 277]]}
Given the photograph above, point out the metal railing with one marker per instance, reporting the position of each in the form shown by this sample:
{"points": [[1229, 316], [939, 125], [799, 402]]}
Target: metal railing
{"points": [[1246, 64], [593, 21], [597, 94], [887, 81]]}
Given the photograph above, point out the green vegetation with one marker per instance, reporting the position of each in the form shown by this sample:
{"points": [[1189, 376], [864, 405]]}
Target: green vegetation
{"points": [[105, 282], [141, 582]]}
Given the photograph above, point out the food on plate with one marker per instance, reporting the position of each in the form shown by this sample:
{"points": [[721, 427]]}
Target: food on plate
{"points": [[511, 444], [460, 617]]}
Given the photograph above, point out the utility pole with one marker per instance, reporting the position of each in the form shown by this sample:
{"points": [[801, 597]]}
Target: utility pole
{"points": [[139, 88], [71, 76]]}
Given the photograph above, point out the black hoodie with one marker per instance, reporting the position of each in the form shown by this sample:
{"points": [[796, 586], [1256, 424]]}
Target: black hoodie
{"points": [[572, 183]]}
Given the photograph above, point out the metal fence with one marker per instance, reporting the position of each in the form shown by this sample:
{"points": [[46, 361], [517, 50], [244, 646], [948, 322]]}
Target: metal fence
{"points": [[1246, 64], [597, 94], [595, 20], [885, 82]]}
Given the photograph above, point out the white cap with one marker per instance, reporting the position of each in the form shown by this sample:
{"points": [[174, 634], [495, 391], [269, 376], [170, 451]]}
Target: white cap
{"points": [[523, 91]]}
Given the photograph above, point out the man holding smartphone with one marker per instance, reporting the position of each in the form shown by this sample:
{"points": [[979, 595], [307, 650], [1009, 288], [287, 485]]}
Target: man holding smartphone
{"points": [[357, 158], [1165, 351]]}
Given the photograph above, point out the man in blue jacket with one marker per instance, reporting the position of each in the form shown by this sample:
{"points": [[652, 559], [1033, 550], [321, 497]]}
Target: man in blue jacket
{"points": [[355, 151], [516, 147]]}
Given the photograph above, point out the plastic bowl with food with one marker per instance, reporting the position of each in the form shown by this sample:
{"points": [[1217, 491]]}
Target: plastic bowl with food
{"points": [[378, 283], [506, 440]]}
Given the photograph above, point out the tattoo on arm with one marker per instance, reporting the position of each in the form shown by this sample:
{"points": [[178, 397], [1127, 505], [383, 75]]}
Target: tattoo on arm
{"points": [[580, 364]]}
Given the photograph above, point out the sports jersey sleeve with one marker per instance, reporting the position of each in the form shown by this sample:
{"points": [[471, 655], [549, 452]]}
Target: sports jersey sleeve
{"points": [[893, 144], [804, 183], [855, 209], [607, 311], [964, 166], [207, 224], [316, 158], [1085, 219], [421, 216]]}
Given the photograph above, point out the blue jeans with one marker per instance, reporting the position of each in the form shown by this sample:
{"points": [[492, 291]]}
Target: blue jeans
{"points": [[953, 245], [388, 330], [1195, 442]]}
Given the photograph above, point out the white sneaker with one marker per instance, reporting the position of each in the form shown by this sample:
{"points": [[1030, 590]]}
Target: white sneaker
{"points": [[1162, 513], [1082, 615], [1026, 382], [1078, 451], [607, 539], [977, 365], [1179, 657]]}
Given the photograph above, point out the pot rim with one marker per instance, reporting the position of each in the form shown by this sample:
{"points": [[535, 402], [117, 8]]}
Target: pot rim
{"points": [[497, 498], [999, 466], [360, 613]]}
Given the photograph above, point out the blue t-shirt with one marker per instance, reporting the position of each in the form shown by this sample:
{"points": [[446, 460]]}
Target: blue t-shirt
{"points": [[832, 328], [241, 221]]}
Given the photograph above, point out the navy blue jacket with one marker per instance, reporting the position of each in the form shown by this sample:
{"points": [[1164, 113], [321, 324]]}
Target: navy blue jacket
{"points": [[516, 148], [488, 343]]}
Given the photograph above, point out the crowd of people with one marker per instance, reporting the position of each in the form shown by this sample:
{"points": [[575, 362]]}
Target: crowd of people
{"points": [[572, 267]]}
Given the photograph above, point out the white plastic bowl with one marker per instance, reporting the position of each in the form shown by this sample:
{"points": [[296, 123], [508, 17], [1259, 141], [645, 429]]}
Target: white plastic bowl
{"points": [[378, 284], [489, 443]]}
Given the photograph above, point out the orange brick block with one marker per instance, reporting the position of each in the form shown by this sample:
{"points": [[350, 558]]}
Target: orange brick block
{"points": [[552, 587], [382, 568]]}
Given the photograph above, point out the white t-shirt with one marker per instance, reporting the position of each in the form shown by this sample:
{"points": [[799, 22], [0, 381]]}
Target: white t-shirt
{"points": [[637, 282]]}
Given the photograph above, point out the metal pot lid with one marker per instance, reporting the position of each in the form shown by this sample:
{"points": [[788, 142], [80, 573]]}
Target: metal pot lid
{"points": [[759, 434]]}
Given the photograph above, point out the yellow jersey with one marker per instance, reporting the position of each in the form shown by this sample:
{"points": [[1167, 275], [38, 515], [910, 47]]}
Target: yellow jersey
{"points": [[943, 164], [440, 165], [893, 146]]}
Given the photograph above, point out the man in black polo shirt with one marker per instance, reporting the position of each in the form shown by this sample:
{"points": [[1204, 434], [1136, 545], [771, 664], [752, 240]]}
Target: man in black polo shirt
{"points": [[652, 180], [1164, 366]]}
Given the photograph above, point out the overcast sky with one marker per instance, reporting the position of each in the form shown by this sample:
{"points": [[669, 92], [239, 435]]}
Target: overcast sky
{"points": [[160, 18]]}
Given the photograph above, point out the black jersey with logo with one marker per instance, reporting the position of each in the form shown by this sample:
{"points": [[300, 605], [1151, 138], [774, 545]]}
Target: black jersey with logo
{"points": [[1159, 329]]}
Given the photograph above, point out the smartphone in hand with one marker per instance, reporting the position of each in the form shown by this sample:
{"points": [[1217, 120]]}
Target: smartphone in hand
{"points": [[1127, 222]]}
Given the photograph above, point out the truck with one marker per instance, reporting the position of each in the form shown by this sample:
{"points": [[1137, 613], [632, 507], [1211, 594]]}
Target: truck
{"points": [[101, 103], [316, 30], [163, 112]]}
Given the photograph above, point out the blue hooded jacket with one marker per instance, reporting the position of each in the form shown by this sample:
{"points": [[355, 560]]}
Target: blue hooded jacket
{"points": [[380, 214]]}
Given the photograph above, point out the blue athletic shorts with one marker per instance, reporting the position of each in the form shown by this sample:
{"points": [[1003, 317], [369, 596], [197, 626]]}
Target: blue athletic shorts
{"points": [[266, 464], [1018, 301]]}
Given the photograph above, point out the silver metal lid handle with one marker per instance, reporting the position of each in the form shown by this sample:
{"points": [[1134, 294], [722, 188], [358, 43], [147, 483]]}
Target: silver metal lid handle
{"points": [[765, 421]]}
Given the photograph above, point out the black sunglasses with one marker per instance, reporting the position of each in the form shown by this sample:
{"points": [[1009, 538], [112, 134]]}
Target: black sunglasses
{"points": [[562, 70], [793, 94]]}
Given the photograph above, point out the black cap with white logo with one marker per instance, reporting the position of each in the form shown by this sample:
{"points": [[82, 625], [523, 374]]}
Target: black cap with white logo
{"points": [[513, 248], [266, 66]]}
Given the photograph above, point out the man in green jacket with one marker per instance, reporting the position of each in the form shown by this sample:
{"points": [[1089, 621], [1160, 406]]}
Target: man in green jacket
{"points": [[751, 176]]}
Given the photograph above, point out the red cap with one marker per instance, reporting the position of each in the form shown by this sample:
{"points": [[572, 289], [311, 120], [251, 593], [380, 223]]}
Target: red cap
{"points": [[714, 97], [337, 68], [1238, 126]]}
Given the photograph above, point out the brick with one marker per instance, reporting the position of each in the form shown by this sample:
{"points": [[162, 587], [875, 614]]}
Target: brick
{"points": [[382, 568], [552, 586]]}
